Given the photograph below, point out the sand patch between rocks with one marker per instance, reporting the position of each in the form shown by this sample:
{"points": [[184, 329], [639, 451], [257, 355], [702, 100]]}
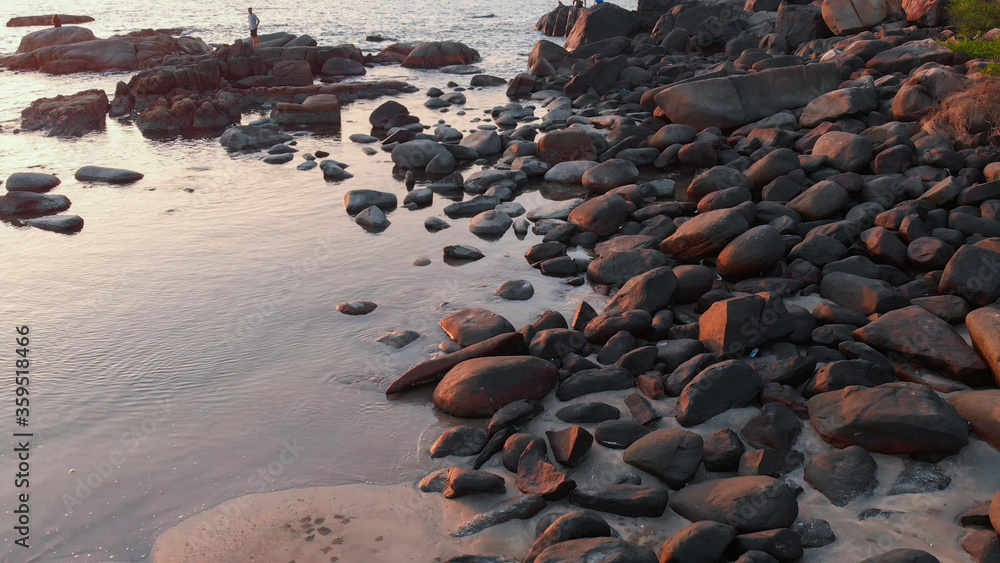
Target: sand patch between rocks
{"points": [[345, 524]]}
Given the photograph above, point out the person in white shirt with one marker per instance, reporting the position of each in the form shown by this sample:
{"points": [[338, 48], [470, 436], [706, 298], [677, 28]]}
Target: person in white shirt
{"points": [[254, 22]]}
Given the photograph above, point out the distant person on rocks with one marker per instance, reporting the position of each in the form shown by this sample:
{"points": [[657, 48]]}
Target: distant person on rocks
{"points": [[56, 20], [254, 22], [578, 3]]}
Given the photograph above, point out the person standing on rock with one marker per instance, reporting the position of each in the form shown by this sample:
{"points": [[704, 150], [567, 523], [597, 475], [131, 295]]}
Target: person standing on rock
{"points": [[254, 22], [56, 20]]}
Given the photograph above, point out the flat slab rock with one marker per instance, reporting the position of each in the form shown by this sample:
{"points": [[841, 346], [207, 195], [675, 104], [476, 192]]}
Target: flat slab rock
{"points": [[748, 504], [893, 418], [107, 175]]}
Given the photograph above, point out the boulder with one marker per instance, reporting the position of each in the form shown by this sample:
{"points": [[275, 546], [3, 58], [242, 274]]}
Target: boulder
{"points": [[481, 386], [845, 17], [620, 267], [570, 526], [736, 100], [602, 215], [671, 455], [485, 143], [927, 13], [984, 329], [844, 151], [751, 254], [474, 325], [910, 55], [337, 66], [65, 224], [973, 273], [730, 326], [980, 408], [720, 387], [388, 113], [416, 155], [31, 182], [843, 475], [701, 541], [649, 291], [609, 174], [318, 109], [46, 20], [67, 116], [821, 201], [861, 294], [437, 54], [54, 36], [894, 418], [601, 21], [107, 175], [747, 504], [704, 235], [717, 179], [356, 201], [31, 204], [921, 337], [840, 103], [605, 550], [565, 145], [570, 172], [251, 138]]}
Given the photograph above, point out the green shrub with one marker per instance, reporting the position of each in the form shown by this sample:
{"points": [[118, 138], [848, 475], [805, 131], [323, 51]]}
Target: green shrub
{"points": [[992, 69], [975, 48], [973, 17]]}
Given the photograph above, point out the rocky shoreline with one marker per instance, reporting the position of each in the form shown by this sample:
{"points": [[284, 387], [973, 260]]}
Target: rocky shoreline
{"points": [[819, 302], [832, 249]]}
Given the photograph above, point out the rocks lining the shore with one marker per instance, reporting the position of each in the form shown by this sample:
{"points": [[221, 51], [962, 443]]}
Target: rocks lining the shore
{"points": [[829, 195]]}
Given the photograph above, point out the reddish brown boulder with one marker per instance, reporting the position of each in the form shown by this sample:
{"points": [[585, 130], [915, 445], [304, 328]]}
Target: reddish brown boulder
{"points": [[984, 328], [474, 325], [564, 145], [982, 410], [433, 369], [705, 235], [481, 386], [894, 418], [915, 333], [436, 54]]}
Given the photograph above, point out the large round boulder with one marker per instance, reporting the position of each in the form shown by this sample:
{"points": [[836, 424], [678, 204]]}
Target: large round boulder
{"points": [[482, 386], [602, 215], [566, 144], [474, 325], [437, 54], [610, 174], [751, 254], [705, 235]]}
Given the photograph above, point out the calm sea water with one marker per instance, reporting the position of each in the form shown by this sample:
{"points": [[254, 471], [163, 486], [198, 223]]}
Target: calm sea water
{"points": [[188, 335]]}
